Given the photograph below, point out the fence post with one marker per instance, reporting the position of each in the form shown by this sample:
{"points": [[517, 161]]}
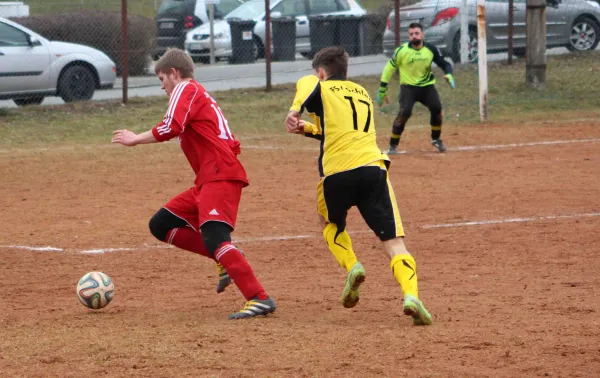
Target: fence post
{"points": [[268, 43], [482, 58], [535, 52], [464, 32], [125, 50], [211, 21], [397, 22], [511, 24]]}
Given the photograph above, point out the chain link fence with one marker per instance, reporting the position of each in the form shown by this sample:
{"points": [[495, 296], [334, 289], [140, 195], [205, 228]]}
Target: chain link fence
{"points": [[300, 28]]}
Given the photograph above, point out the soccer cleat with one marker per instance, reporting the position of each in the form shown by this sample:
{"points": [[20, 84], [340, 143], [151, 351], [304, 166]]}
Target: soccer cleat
{"points": [[393, 150], [255, 307], [224, 279], [415, 308], [437, 143], [355, 278]]}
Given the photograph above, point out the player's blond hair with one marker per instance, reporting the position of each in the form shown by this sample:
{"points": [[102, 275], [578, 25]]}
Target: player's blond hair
{"points": [[177, 59], [334, 60]]}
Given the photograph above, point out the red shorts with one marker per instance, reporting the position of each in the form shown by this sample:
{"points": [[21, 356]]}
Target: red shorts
{"points": [[214, 201]]}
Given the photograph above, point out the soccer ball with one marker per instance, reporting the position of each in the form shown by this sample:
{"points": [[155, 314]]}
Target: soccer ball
{"points": [[95, 290]]}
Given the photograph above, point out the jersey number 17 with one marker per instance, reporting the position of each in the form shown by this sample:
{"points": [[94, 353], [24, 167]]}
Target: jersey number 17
{"points": [[355, 114]]}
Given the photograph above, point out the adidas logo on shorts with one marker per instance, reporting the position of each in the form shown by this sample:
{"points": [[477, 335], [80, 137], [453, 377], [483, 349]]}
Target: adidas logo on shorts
{"points": [[214, 212]]}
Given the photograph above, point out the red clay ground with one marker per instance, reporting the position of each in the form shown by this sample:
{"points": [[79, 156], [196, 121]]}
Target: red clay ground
{"points": [[515, 299]]}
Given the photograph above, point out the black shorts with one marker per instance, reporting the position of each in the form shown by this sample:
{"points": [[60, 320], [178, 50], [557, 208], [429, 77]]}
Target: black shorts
{"points": [[427, 96], [367, 188]]}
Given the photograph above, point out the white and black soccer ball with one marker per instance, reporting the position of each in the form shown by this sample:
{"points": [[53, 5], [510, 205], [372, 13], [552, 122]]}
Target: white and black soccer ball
{"points": [[95, 290]]}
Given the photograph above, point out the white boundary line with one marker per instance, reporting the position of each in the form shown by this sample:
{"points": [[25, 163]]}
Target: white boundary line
{"points": [[298, 148], [298, 237]]}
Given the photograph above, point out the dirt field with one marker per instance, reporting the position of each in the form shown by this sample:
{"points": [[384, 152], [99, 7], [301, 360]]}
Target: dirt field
{"points": [[516, 295]]}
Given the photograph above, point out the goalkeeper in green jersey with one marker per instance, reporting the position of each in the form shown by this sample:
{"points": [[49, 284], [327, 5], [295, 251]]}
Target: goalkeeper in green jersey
{"points": [[413, 59]]}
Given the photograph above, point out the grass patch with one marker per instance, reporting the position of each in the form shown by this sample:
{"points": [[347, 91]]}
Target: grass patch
{"points": [[572, 81]]}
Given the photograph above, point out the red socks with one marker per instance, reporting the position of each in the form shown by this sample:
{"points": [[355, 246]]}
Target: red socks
{"points": [[188, 239], [240, 271]]}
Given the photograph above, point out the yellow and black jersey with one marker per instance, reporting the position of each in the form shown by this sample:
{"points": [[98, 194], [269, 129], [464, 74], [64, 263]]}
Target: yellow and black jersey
{"points": [[343, 121]]}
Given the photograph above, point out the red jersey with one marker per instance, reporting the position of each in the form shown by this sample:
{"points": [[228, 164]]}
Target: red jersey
{"points": [[204, 135]]}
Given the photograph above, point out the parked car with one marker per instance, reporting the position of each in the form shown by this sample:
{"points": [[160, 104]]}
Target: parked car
{"points": [[175, 17], [574, 24], [32, 67], [197, 42]]}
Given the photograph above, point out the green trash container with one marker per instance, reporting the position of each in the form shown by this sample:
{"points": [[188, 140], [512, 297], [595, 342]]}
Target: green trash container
{"points": [[284, 39], [243, 48], [323, 33], [348, 32]]}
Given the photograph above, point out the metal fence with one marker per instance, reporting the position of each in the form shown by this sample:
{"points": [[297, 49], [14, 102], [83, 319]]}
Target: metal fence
{"points": [[298, 29]]}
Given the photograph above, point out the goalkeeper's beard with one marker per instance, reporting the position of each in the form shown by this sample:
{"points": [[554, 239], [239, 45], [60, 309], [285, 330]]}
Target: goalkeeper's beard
{"points": [[416, 42]]}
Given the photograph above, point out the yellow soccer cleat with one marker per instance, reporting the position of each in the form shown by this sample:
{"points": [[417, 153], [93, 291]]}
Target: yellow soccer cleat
{"points": [[224, 279], [355, 278], [255, 307], [415, 308]]}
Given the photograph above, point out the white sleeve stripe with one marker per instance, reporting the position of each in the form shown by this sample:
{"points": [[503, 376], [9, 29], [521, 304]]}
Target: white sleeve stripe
{"points": [[175, 99], [189, 108]]}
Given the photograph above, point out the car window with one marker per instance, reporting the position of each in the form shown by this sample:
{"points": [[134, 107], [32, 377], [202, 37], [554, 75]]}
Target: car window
{"points": [[226, 6], [248, 11], [323, 6], [343, 4], [291, 8], [11, 36]]}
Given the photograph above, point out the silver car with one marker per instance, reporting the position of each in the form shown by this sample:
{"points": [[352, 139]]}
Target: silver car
{"points": [[574, 24], [197, 42], [32, 67]]}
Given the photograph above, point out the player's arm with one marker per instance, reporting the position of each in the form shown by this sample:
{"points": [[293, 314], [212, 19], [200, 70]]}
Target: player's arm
{"points": [[308, 97], [439, 60], [129, 138], [388, 71]]}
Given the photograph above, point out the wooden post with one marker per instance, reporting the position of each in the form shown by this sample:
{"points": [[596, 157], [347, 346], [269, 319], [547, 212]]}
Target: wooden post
{"points": [[397, 22], [464, 32], [511, 24], [535, 71], [482, 59], [125, 52]]}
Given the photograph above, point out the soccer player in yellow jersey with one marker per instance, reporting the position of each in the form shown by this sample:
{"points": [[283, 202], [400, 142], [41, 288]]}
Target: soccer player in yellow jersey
{"points": [[353, 173], [417, 84]]}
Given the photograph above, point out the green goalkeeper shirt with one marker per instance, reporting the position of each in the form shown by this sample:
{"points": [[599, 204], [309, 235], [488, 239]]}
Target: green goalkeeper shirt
{"points": [[415, 65]]}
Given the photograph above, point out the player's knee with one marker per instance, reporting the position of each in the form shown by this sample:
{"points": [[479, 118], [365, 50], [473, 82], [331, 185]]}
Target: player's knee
{"points": [[214, 234], [159, 225], [404, 114], [436, 117]]}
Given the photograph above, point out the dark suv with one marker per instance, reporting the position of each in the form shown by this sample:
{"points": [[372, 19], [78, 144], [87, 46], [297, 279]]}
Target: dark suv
{"points": [[175, 17]]}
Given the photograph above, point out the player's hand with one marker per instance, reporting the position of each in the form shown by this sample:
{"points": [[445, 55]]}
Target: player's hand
{"points": [[450, 79], [124, 137], [292, 122]]}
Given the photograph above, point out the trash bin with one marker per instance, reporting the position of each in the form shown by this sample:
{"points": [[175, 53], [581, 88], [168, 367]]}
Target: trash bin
{"points": [[323, 33], [348, 31], [284, 39], [371, 34], [243, 48]]}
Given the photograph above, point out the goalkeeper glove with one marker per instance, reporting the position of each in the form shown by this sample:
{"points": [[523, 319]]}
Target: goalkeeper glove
{"points": [[381, 93], [450, 79]]}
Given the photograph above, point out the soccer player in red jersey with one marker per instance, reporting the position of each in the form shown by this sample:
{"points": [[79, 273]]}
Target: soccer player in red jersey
{"points": [[201, 219]]}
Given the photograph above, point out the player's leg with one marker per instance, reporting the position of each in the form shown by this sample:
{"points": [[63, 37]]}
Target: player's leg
{"points": [[217, 206], [431, 99], [176, 223], [407, 102], [379, 208], [334, 198]]}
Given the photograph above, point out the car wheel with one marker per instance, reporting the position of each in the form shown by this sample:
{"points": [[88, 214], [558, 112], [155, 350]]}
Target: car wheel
{"points": [[29, 101], [259, 49], [76, 83], [307, 55], [472, 48], [202, 59], [519, 52], [585, 35]]}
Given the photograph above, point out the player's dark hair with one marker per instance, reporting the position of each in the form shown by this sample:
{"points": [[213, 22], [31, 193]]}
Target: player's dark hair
{"points": [[415, 25], [177, 59], [334, 60]]}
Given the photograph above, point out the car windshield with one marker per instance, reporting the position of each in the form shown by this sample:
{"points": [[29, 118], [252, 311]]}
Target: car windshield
{"points": [[248, 11], [171, 7]]}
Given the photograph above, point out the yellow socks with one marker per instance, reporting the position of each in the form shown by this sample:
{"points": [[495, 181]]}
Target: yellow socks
{"points": [[340, 246], [404, 269]]}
